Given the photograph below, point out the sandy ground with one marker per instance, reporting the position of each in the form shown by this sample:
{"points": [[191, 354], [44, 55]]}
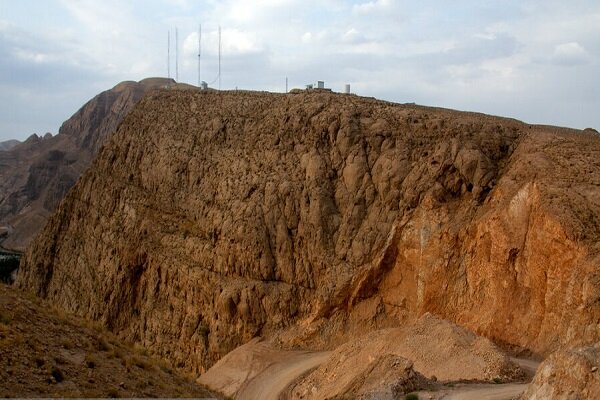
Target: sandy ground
{"points": [[274, 370], [477, 392], [273, 381], [258, 371], [527, 365]]}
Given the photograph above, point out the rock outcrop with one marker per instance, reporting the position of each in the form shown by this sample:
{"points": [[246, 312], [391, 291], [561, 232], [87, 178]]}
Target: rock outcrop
{"points": [[35, 175], [213, 218], [569, 374]]}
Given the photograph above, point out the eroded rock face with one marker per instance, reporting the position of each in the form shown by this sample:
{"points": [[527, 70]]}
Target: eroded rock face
{"points": [[570, 374], [212, 218], [35, 175]]}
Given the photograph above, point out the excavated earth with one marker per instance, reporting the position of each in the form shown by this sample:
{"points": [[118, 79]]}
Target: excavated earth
{"points": [[211, 218]]}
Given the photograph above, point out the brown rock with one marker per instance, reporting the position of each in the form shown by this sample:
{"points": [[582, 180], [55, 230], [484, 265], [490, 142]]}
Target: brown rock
{"points": [[567, 374], [211, 218], [35, 175]]}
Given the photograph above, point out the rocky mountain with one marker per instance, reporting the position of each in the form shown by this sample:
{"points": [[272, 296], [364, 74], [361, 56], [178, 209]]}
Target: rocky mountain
{"points": [[8, 144], [36, 174], [311, 218]]}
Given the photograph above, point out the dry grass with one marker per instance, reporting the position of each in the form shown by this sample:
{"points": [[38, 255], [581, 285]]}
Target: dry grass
{"points": [[50, 354]]}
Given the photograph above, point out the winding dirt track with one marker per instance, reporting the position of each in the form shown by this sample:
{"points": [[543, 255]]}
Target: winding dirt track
{"points": [[258, 371], [487, 392], [273, 381], [479, 391]]}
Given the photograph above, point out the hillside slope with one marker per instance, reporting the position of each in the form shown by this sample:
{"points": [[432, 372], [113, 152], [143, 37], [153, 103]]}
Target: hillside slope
{"points": [[311, 218], [47, 353], [35, 175]]}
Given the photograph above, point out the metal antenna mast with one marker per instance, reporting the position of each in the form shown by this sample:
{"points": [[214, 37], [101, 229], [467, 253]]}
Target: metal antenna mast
{"points": [[176, 57], [219, 57], [169, 54], [199, 52]]}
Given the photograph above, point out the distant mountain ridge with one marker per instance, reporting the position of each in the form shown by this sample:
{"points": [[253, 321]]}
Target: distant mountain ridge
{"points": [[36, 174], [8, 144]]}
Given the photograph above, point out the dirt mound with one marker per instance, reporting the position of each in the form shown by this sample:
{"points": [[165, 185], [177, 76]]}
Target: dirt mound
{"points": [[433, 347], [567, 375], [379, 376], [50, 354]]}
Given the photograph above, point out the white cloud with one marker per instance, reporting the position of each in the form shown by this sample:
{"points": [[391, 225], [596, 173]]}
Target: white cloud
{"points": [[571, 53], [496, 56], [372, 7], [306, 37], [352, 36]]}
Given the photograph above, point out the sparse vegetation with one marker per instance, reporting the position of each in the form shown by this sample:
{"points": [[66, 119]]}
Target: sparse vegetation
{"points": [[90, 361], [42, 347], [142, 363], [411, 396], [203, 330], [8, 264], [103, 344], [57, 374], [5, 318]]}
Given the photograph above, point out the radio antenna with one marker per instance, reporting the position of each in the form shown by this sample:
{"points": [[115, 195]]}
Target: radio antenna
{"points": [[176, 57], [219, 57], [199, 52]]}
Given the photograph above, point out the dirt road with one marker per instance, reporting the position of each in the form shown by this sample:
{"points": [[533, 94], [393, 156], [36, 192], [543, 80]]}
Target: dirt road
{"points": [[505, 391], [488, 392], [272, 381], [258, 371], [527, 365]]}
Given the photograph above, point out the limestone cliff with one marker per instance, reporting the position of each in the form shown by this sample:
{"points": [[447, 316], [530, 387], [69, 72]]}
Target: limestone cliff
{"points": [[35, 175], [212, 218]]}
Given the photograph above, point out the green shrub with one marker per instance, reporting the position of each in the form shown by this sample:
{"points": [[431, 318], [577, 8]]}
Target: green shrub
{"points": [[411, 396]]}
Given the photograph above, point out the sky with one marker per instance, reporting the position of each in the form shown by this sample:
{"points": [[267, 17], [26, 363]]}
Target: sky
{"points": [[537, 61]]}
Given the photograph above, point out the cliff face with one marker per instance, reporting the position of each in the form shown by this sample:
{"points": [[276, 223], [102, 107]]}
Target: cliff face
{"points": [[211, 218], [35, 175]]}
